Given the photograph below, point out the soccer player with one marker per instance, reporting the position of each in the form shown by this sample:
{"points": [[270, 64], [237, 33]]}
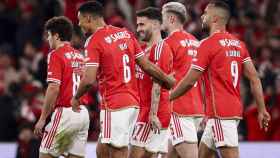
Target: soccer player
{"points": [[222, 59], [68, 130], [150, 134], [112, 53], [187, 110]]}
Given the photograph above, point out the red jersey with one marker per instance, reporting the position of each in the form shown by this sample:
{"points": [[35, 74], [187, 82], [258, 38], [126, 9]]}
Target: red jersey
{"points": [[183, 46], [221, 58], [64, 64], [114, 51], [161, 55]]}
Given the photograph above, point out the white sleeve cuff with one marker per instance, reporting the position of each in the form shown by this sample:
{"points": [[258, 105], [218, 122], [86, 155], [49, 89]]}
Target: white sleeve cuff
{"points": [[139, 54], [246, 60], [92, 64], [53, 80], [197, 67]]}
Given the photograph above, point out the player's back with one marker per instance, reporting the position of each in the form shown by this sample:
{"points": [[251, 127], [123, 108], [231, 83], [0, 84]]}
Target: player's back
{"points": [[183, 46], [116, 53], [64, 67], [226, 55]]}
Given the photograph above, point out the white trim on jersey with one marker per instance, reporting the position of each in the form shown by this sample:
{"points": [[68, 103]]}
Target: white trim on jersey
{"points": [[53, 80], [139, 54], [246, 60], [197, 67], [92, 64], [158, 50]]}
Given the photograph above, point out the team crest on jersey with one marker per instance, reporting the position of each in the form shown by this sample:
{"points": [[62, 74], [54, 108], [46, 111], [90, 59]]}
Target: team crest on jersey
{"points": [[67, 56], [108, 39], [222, 42], [183, 43]]}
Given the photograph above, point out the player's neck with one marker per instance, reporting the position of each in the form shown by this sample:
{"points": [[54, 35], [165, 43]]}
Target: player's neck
{"points": [[217, 28], [60, 44], [99, 24], [156, 37], [175, 28]]}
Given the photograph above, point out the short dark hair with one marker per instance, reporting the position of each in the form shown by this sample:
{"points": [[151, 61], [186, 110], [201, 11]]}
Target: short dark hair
{"points": [[222, 5], [60, 25], [151, 13], [92, 7]]}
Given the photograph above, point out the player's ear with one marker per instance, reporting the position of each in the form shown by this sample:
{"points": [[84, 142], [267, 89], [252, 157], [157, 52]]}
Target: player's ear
{"points": [[172, 19], [56, 36], [154, 24]]}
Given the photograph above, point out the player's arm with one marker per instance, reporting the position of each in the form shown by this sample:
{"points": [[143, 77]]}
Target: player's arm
{"points": [[88, 79], [154, 106], [155, 72], [186, 83], [49, 102], [257, 91]]}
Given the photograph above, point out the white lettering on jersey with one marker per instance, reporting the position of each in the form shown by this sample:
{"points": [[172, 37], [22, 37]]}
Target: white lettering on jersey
{"points": [[73, 55], [139, 72], [233, 53], [229, 42], [116, 36], [189, 43]]}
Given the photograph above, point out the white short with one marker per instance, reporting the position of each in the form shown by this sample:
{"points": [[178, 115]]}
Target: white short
{"points": [[117, 126], [220, 133], [66, 133], [153, 141], [183, 129]]}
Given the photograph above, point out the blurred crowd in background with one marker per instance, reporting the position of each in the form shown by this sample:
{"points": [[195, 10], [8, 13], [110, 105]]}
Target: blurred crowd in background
{"points": [[23, 51]]}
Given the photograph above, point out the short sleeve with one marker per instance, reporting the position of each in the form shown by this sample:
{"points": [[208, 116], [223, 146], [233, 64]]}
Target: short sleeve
{"points": [[55, 68], [92, 52], [202, 59], [246, 56], [137, 48]]}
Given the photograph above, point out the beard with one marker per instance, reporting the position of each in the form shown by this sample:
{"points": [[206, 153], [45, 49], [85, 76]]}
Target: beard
{"points": [[144, 36]]}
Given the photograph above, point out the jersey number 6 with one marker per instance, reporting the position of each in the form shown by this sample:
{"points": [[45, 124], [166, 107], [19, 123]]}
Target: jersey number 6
{"points": [[126, 68]]}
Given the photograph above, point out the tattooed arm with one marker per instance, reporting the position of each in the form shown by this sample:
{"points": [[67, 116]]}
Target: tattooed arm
{"points": [[154, 106]]}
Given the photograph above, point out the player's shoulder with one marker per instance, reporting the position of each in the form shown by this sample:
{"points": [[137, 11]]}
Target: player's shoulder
{"points": [[95, 37], [164, 44], [189, 35], [112, 34], [161, 47], [213, 40]]}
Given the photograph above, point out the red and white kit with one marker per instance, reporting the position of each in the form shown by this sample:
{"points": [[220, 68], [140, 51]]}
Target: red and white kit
{"points": [[188, 109], [143, 135], [221, 58], [64, 65], [114, 51]]}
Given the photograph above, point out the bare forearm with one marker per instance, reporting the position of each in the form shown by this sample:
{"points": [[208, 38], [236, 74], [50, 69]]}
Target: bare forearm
{"points": [[156, 73], [185, 84], [180, 90], [49, 102], [257, 92], [155, 98], [84, 86]]}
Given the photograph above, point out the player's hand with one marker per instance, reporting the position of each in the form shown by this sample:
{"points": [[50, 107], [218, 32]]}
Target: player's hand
{"points": [[75, 103], [38, 127], [264, 118], [155, 123]]}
